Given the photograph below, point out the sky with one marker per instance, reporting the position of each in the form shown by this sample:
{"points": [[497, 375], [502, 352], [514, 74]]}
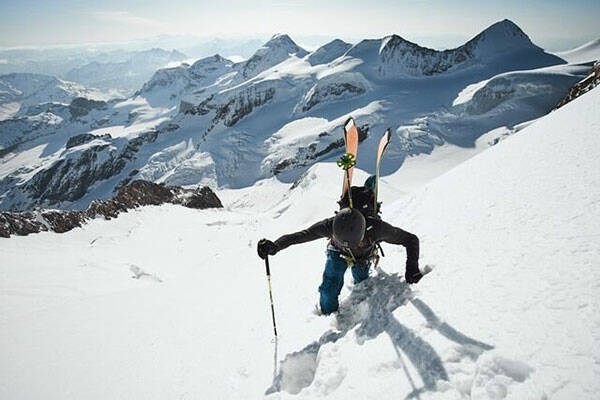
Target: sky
{"points": [[552, 24]]}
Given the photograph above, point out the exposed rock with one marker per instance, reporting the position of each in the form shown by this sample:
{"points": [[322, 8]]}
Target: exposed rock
{"points": [[80, 106], [232, 109], [136, 194], [490, 96], [8, 150], [83, 138], [68, 179], [15, 131], [333, 90], [585, 85]]}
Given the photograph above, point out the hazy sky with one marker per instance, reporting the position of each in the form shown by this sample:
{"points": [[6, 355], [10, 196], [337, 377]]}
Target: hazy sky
{"points": [[552, 24]]}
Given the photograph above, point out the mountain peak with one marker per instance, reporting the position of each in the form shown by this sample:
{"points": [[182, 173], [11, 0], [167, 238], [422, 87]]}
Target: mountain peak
{"points": [[282, 40], [505, 27], [277, 49], [280, 36], [502, 36], [329, 52], [394, 41], [211, 62]]}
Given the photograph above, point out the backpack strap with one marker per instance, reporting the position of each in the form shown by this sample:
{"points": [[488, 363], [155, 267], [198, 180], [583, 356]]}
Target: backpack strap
{"points": [[380, 249]]}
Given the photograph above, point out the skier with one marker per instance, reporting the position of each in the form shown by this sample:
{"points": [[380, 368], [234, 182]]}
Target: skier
{"points": [[353, 240]]}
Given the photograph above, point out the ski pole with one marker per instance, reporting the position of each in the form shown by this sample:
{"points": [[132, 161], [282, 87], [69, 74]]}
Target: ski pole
{"points": [[270, 294]]}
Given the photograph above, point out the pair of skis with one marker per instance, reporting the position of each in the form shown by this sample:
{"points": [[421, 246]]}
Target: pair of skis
{"points": [[348, 160]]}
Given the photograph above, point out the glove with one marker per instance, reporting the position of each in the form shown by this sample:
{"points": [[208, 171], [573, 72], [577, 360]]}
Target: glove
{"points": [[413, 276], [265, 248]]}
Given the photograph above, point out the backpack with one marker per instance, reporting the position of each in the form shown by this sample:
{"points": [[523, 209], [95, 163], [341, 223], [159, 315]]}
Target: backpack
{"points": [[363, 199]]}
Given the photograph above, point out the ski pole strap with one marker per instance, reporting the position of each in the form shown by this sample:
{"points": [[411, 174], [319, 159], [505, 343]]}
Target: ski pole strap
{"points": [[347, 161]]}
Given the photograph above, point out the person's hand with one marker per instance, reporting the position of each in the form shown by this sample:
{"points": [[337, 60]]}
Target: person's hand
{"points": [[413, 276], [265, 248]]}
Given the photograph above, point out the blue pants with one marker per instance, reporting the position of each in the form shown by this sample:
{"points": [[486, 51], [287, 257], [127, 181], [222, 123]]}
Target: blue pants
{"points": [[333, 280]]}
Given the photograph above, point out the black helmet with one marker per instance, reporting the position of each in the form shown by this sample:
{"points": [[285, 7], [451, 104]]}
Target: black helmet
{"points": [[348, 227]]}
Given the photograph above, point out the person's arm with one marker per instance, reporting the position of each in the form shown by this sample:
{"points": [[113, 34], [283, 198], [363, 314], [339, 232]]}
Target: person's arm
{"points": [[393, 235], [321, 229]]}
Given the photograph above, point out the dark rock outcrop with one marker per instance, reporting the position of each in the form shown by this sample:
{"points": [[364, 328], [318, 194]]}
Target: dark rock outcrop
{"points": [[585, 85], [231, 110], [80, 106], [136, 194], [331, 91], [69, 179], [78, 140]]}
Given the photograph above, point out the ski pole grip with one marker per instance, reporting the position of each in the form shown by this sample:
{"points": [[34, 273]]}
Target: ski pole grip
{"points": [[267, 265]]}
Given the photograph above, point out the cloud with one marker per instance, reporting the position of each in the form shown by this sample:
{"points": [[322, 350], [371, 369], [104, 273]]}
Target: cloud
{"points": [[126, 18]]}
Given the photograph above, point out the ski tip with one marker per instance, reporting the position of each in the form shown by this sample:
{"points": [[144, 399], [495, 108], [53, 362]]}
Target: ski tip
{"points": [[388, 132], [349, 124]]}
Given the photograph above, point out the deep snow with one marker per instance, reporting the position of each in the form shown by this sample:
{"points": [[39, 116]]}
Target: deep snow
{"points": [[168, 302]]}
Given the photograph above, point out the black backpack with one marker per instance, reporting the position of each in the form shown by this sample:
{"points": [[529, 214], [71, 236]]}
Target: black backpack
{"points": [[363, 199]]}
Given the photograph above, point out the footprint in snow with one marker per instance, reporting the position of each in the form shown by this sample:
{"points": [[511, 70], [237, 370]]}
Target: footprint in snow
{"points": [[139, 273]]}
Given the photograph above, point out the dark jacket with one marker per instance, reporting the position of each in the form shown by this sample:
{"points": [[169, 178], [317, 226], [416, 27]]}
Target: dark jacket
{"points": [[376, 231]]}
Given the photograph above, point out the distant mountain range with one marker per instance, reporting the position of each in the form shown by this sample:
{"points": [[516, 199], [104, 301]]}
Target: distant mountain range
{"points": [[223, 123], [116, 71]]}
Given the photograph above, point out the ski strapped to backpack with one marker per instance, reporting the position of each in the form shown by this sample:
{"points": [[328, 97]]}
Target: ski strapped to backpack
{"points": [[348, 160], [383, 144], [363, 198]]}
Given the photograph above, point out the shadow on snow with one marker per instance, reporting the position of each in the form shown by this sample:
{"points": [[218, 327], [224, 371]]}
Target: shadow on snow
{"points": [[370, 308]]}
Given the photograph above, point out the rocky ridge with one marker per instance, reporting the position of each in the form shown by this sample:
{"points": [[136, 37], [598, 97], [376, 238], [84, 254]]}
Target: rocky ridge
{"points": [[136, 194]]}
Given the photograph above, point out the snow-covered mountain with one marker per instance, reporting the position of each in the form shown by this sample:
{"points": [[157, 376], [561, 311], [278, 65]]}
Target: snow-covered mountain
{"points": [[242, 47], [118, 71], [172, 302], [586, 53], [20, 91], [328, 52], [230, 124], [127, 75], [503, 43], [170, 85], [276, 50]]}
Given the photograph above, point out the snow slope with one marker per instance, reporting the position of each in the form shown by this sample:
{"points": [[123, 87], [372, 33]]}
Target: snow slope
{"points": [[517, 234], [586, 53], [168, 302]]}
